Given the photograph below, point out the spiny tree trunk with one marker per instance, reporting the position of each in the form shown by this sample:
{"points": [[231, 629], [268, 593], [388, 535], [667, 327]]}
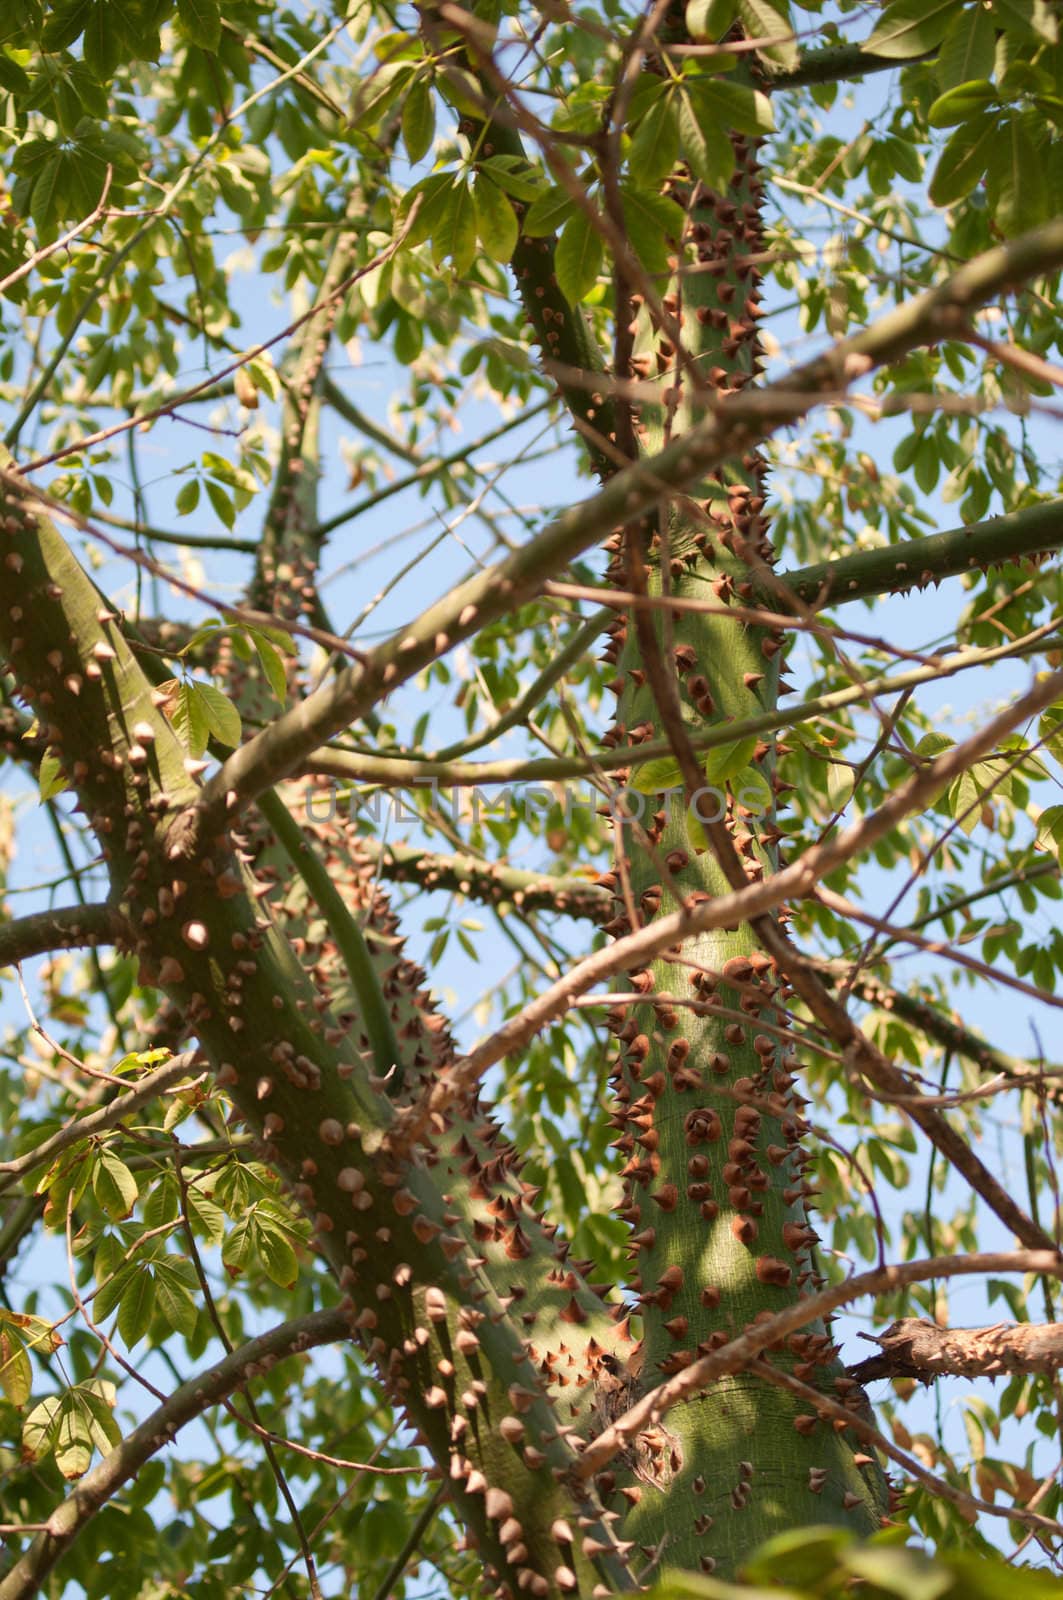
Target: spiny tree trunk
{"points": [[709, 1111]]}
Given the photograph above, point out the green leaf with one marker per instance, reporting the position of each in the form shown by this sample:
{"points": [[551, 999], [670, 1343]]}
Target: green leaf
{"points": [[1050, 731], [64, 1183], [547, 213], [261, 1238], [96, 1399], [655, 146], [201, 21], [910, 28], [1015, 184], [770, 19], [223, 505], [454, 234], [968, 50], [653, 224], [189, 719], [751, 789], [222, 717], [51, 779], [20, 1333], [578, 258], [430, 196], [705, 142], [496, 221], [841, 781], [807, 1556], [41, 1435], [71, 1425], [897, 1571], [137, 1305], [187, 497], [272, 664], [1030, 18], [1050, 830], [651, 777], [175, 1283], [728, 759], [960, 104], [516, 175], [12, 76], [66, 23], [16, 1371], [114, 1185], [418, 120], [277, 1256], [375, 95], [963, 161], [744, 110]]}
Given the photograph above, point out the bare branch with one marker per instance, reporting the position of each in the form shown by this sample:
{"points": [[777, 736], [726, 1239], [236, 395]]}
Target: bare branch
{"points": [[914, 1347], [68, 928]]}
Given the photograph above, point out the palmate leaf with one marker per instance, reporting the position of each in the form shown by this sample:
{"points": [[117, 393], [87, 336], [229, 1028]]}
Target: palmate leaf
{"points": [[71, 1426]]}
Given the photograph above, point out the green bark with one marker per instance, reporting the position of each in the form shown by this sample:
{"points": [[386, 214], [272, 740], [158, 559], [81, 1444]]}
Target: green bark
{"points": [[707, 1105]]}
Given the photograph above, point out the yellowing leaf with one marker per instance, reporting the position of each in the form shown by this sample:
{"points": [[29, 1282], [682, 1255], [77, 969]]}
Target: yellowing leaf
{"points": [[51, 779]]}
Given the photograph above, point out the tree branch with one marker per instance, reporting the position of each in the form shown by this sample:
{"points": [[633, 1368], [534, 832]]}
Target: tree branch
{"points": [[68, 928], [490, 881], [952, 1035], [837, 64], [400, 771], [914, 1347], [917, 562]]}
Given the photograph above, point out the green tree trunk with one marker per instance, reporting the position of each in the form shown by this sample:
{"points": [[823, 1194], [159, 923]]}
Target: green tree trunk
{"points": [[707, 1104]]}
